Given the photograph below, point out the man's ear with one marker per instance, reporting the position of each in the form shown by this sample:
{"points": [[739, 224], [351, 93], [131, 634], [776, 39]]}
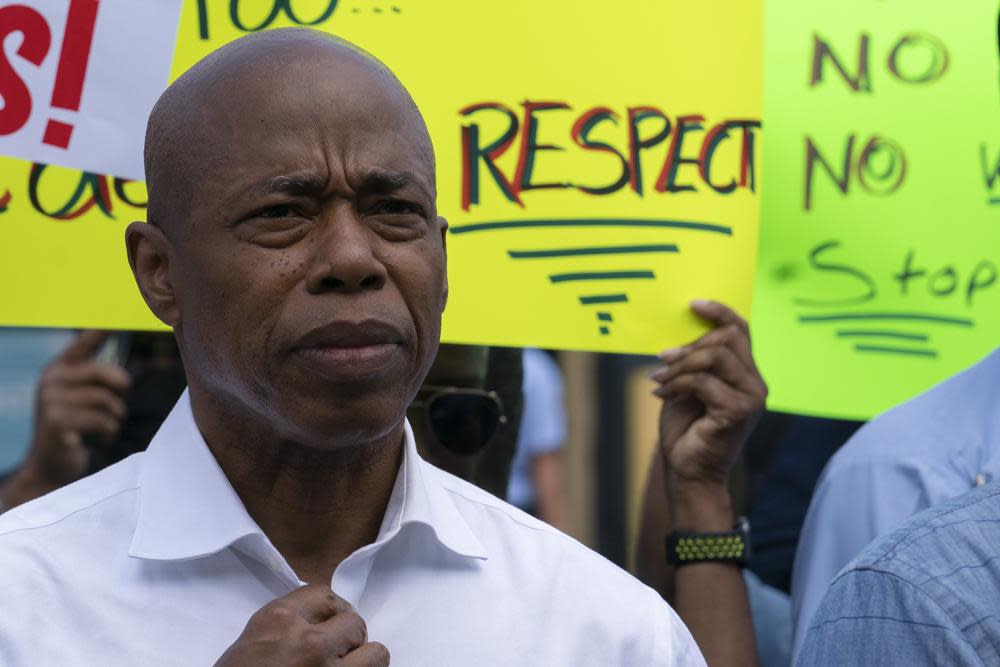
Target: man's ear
{"points": [[149, 256], [443, 224]]}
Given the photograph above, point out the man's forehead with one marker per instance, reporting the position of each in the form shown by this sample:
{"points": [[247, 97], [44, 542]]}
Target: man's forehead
{"points": [[272, 53], [270, 108], [298, 85]]}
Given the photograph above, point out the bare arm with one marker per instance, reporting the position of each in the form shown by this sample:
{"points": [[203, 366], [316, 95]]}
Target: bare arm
{"points": [[712, 396]]}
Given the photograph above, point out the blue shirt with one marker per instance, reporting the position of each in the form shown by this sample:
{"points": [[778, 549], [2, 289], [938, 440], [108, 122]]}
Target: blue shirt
{"points": [[927, 594], [915, 456], [543, 423]]}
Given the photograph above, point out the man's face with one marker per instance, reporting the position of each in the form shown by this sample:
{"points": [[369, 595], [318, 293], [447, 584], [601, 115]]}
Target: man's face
{"points": [[310, 266]]}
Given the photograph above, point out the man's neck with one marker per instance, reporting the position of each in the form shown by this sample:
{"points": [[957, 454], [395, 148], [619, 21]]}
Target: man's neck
{"points": [[316, 506]]}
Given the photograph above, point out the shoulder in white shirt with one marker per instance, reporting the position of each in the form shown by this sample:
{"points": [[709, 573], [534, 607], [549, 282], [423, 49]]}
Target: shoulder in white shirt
{"points": [[155, 561]]}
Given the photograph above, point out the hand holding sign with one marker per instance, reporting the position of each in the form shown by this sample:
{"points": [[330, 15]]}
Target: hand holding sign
{"points": [[712, 395]]}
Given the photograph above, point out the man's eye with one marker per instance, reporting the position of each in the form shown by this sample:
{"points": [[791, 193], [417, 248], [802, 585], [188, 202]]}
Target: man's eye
{"points": [[397, 207], [280, 211]]}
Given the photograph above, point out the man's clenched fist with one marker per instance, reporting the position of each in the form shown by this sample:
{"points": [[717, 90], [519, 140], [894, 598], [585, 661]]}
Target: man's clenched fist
{"points": [[311, 626]]}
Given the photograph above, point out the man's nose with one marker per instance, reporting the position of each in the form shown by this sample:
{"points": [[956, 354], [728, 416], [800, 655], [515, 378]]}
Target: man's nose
{"points": [[344, 259]]}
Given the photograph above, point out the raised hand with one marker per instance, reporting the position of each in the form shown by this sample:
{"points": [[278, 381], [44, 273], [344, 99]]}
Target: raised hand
{"points": [[78, 399], [713, 395]]}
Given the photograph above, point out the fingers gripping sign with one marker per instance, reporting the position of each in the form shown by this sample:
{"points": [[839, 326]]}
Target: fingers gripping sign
{"points": [[311, 626], [712, 395]]}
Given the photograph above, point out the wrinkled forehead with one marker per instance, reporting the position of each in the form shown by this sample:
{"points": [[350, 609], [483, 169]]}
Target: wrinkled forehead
{"points": [[311, 105], [342, 105]]}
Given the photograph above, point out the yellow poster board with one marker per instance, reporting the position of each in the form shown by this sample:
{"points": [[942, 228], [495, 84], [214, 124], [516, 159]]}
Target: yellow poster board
{"points": [[62, 246], [879, 265], [598, 164]]}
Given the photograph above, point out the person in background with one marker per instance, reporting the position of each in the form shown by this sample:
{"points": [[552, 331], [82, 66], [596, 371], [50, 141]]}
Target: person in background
{"points": [[90, 413], [922, 453], [923, 595], [535, 485], [466, 415], [691, 548]]}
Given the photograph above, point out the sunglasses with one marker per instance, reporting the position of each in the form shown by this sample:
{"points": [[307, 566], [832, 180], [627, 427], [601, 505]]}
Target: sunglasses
{"points": [[462, 420]]}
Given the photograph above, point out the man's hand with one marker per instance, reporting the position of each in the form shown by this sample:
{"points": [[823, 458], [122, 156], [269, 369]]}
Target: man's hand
{"points": [[311, 626], [79, 401], [713, 395], [77, 398]]}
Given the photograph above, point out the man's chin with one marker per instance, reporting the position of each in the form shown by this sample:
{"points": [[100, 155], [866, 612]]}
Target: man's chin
{"points": [[333, 424]]}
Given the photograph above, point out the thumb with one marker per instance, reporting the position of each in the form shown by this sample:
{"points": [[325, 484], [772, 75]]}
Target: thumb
{"points": [[84, 346]]}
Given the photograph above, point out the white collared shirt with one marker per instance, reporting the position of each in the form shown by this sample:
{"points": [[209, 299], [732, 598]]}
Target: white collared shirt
{"points": [[155, 561]]}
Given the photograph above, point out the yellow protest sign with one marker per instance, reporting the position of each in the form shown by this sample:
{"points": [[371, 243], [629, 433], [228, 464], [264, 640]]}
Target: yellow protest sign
{"points": [[880, 242], [598, 164], [62, 234]]}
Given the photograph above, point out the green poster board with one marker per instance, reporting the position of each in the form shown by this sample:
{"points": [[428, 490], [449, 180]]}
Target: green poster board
{"points": [[879, 269]]}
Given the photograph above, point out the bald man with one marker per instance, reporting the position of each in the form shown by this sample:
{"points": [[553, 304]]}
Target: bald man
{"points": [[281, 515]]}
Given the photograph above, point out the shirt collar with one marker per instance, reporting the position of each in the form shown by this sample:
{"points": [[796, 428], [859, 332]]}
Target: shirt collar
{"points": [[188, 509], [420, 498]]}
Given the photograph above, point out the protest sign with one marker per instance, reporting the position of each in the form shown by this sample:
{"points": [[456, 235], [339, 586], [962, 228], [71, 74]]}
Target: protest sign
{"points": [[62, 237], [880, 242], [78, 78], [598, 164]]}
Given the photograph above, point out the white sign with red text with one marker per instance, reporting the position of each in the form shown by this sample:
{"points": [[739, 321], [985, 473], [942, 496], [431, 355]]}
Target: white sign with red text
{"points": [[79, 77]]}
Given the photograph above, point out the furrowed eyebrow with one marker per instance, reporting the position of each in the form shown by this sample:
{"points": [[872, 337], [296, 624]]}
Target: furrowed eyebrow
{"points": [[294, 184], [388, 180]]}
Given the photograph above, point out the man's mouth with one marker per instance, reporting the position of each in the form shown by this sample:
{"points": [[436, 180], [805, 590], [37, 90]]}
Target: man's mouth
{"points": [[351, 349]]}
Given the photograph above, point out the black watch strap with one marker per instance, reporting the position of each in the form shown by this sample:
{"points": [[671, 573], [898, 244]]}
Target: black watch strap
{"points": [[731, 546]]}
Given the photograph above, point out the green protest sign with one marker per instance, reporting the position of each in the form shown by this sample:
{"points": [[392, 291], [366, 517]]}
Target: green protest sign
{"points": [[879, 269]]}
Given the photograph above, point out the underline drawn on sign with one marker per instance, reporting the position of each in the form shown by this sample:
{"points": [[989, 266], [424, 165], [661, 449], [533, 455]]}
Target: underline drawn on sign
{"points": [[580, 275], [580, 252], [601, 275], [897, 342], [592, 222]]}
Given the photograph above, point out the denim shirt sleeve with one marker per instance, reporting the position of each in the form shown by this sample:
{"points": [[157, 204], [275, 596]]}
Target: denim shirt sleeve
{"points": [[874, 617], [853, 504]]}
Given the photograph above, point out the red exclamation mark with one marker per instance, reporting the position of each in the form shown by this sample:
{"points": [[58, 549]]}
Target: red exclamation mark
{"points": [[72, 68]]}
